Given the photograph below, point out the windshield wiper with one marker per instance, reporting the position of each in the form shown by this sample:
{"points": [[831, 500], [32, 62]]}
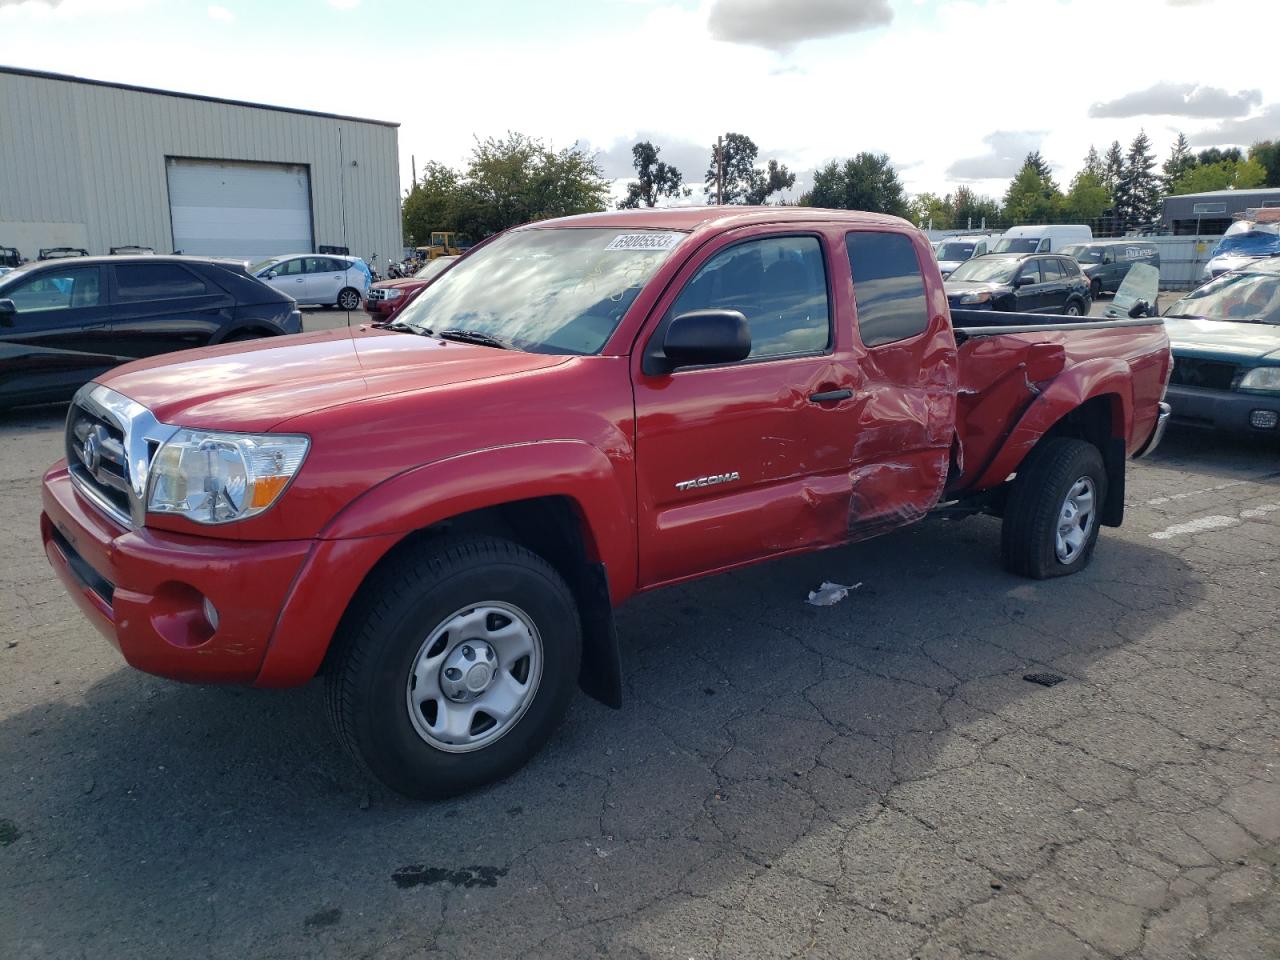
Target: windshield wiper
{"points": [[475, 336]]}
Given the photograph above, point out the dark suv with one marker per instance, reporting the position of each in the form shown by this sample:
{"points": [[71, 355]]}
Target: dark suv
{"points": [[1021, 283], [63, 322]]}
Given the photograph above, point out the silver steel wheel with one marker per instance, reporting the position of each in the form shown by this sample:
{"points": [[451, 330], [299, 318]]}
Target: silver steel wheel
{"points": [[1073, 310], [474, 676], [1076, 520], [348, 299]]}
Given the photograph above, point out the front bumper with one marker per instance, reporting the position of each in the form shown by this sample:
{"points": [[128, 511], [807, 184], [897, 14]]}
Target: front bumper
{"points": [[277, 603], [1224, 410]]}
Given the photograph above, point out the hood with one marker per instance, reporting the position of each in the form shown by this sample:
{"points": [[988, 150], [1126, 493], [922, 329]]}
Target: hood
{"points": [[256, 385], [1223, 340], [955, 288], [399, 284]]}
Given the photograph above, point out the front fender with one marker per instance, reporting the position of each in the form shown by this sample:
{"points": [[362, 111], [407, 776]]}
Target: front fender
{"points": [[434, 492], [1070, 390]]}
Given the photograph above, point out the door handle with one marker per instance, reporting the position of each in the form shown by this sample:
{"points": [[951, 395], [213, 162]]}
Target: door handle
{"points": [[96, 326], [830, 396]]}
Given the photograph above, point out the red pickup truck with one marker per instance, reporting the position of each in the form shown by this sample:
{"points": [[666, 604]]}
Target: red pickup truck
{"points": [[440, 517]]}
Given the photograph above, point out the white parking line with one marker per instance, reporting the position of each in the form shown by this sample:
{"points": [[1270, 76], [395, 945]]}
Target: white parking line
{"points": [[1196, 493], [1195, 526], [1214, 522]]}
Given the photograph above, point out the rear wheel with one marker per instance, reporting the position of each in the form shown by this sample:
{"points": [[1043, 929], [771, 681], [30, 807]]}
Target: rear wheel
{"points": [[453, 673], [348, 299], [1072, 308], [1051, 521]]}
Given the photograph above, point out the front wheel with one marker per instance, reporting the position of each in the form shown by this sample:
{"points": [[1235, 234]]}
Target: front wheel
{"points": [[348, 299], [1051, 521], [1073, 309], [455, 671]]}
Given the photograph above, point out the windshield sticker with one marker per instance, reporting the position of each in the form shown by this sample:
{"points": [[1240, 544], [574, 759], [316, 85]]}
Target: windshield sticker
{"points": [[645, 241]]}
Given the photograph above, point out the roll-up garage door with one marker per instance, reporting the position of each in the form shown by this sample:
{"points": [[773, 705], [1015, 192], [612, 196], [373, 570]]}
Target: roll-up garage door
{"points": [[244, 210]]}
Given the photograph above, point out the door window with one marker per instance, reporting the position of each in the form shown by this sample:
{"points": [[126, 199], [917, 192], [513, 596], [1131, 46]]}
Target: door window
{"points": [[57, 290], [888, 287], [1031, 269], [779, 284], [1045, 245], [1051, 270], [290, 268], [156, 281], [336, 266]]}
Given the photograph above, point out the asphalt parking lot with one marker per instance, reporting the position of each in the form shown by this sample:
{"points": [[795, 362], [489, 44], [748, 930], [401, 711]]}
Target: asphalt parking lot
{"points": [[875, 779]]}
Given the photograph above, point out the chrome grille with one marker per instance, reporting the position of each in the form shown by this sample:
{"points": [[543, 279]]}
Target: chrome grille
{"points": [[1206, 374], [377, 294], [110, 441]]}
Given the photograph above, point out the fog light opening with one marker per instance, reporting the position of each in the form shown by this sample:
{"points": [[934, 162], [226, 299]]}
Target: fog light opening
{"points": [[1264, 419], [211, 614]]}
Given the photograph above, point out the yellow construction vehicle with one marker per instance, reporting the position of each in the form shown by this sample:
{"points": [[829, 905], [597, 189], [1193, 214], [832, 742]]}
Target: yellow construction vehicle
{"points": [[443, 244]]}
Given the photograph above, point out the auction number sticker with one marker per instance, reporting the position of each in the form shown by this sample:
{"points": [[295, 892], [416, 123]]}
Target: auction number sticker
{"points": [[645, 241]]}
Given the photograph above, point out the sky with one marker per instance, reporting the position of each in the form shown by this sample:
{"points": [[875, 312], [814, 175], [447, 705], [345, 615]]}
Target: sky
{"points": [[954, 91]]}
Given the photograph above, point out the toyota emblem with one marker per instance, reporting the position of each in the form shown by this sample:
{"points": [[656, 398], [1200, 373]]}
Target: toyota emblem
{"points": [[91, 453]]}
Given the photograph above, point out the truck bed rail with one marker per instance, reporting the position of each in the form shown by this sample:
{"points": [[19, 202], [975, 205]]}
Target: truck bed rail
{"points": [[969, 324]]}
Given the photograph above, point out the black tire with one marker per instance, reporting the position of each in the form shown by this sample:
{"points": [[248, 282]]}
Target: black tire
{"points": [[1028, 541], [244, 336], [380, 640], [348, 299], [1074, 308]]}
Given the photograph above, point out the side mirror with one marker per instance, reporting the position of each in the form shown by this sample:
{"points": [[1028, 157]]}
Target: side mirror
{"points": [[702, 337], [7, 310], [1024, 281], [1140, 309], [271, 274]]}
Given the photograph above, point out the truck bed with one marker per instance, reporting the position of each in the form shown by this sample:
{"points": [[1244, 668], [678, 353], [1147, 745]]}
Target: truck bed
{"points": [[1009, 362]]}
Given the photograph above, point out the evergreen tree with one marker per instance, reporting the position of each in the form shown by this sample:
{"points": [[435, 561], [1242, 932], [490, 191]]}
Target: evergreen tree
{"points": [[1033, 196], [1093, 165], [973, 212], [1267, 153], [865, 182], [1137, 193], [1038, 163], [1113, 166], [1180, 162]]}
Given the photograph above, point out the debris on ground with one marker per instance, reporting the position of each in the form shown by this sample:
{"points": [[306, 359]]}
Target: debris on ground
{"points": [[829, 594], [1044, 679]]}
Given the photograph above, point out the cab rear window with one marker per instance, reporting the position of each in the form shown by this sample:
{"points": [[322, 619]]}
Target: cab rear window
{"points": [[888, 287]]}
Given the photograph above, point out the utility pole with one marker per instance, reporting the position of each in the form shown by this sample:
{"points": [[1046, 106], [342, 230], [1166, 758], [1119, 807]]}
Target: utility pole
{"points": [[413, 165], [719, 171]]}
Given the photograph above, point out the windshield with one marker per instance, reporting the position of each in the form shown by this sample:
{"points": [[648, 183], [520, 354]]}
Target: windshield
{"points": [[263, 264], [434, 267], [544, 290], [1017, 245], [983, 270], [1083, 254], [1249, 297], [1255, 243], [956, 251]]}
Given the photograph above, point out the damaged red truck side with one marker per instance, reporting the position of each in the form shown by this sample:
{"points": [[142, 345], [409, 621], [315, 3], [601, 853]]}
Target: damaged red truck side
{"points": [[440, 517]]}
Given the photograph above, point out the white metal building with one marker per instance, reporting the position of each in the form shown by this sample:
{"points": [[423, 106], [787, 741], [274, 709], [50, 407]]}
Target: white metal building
{"points": [[96, 165]]}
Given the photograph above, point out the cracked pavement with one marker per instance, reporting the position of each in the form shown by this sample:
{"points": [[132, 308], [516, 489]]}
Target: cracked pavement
{"points": [[874, 779]]}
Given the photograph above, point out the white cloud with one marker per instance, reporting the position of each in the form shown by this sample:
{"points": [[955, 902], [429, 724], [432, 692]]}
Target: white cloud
{"points": [[1180, 100], [220, 13], [781, 24]]}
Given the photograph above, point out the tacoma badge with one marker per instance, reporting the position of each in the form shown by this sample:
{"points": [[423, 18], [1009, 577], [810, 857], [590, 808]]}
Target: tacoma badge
{"points": [[711, 481]]}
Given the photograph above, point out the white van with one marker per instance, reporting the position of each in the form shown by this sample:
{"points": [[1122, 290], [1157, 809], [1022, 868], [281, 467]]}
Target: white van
{"points": [[1047, 238]]}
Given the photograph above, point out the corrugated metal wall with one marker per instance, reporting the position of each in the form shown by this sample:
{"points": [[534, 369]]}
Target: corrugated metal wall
{"points": [[83, 159]]}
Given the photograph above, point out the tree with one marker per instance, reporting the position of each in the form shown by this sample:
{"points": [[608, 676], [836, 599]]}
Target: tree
{"points": [[931, 211], [865, 182], [1094, 166], [433, 203], [518, 179], [974, 212], [1137, 193], [1179, 162], [1113, 166], [654, 178], [743, 181], [1267, 153], [1033, 196], [1223, 175], [1214, 155], [1087, 200]]}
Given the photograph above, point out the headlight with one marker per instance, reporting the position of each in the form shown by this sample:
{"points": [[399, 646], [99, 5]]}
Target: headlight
{"points": [[1263, 378], [391, 294], [221, 477], [982, 297]]}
